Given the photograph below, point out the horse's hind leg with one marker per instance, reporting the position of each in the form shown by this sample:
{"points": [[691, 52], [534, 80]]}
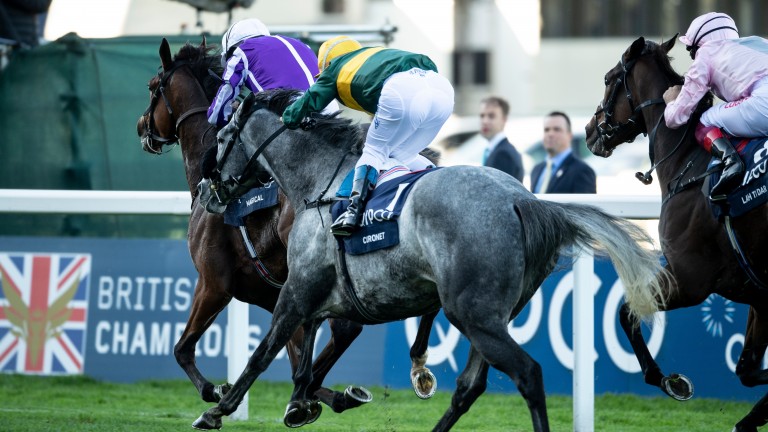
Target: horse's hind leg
{"points": [[206, 305], [750, 372], [343, 333], [469, 386], [677, 386], [423, 380], [490, 338]]}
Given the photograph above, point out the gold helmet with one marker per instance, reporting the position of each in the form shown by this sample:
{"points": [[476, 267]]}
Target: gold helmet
{"points": [[335, 47]]}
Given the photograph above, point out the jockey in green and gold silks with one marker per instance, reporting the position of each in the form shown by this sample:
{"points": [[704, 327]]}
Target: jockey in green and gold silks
{"points": [[355, 79], [409, 100]]}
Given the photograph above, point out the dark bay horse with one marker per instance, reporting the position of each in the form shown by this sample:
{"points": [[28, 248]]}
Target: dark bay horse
{"points": [[700, 257], [481, 263], [180, 95]]}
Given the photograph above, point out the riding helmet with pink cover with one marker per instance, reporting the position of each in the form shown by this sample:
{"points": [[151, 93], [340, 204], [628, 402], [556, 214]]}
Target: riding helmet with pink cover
{"points": [[708, 27]]}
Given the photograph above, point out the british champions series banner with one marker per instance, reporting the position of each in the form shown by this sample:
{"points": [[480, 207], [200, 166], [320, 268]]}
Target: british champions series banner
{"points": [[113, 309]]}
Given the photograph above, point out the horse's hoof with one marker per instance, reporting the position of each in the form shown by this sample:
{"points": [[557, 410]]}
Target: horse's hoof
{"points": [[297, 414], [744, 428], [678, 387], [315, 409], [356, 396], [424, 383], [207, 422], [220, 390]]}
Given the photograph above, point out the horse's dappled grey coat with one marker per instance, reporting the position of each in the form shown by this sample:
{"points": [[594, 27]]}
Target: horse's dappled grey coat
{"points": [[473, 241]]}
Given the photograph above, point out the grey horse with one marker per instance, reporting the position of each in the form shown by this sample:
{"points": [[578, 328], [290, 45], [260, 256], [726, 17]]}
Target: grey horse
{"points": [[472, 240]]}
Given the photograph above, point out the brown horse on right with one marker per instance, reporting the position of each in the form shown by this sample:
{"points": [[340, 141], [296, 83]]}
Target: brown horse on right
{"points": [[700, 255], [180, 95]]}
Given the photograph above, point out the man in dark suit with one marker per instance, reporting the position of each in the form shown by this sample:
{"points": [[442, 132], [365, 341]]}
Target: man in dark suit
{"points": [[500, 153], [561, 172]]}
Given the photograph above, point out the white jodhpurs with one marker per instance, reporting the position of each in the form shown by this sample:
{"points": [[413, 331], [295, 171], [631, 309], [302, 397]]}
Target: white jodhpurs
{"points": [[412, 108], [746, 118]]}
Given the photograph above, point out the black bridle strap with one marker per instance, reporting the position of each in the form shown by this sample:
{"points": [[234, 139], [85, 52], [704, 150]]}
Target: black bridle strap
{"points": [[190, 113], [165, 76]]}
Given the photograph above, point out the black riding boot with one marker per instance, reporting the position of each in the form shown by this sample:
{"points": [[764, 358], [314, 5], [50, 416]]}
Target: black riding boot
{"points": [[733, 168], [348, 222]]}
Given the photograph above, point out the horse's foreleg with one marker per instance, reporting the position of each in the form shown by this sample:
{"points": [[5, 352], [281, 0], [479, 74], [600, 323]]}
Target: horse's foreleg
{"points": [[469, 386], [343, 333], [676, 386], [300, 409], [751, 373], [423, 380], [283, 326], [205, 307]]}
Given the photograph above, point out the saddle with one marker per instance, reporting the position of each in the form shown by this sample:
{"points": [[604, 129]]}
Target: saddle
{"points": [[385, 203], [753, 191]]}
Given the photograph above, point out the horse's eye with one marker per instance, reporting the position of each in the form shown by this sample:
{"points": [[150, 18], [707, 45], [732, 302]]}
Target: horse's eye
{"points": [[606, 82]]}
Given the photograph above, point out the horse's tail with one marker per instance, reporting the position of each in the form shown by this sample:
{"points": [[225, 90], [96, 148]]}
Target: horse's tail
{"points": [[551, 227]]}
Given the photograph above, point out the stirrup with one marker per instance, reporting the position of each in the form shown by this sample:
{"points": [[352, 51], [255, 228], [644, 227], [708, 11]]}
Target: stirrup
{"points": [[340, 228]]}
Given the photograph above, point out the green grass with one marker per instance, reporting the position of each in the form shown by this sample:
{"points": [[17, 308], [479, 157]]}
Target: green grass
{"points": [[83, 404]]}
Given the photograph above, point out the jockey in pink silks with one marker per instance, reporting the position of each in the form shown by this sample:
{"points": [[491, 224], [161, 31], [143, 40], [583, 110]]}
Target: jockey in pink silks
{"points": [[735, 70]]}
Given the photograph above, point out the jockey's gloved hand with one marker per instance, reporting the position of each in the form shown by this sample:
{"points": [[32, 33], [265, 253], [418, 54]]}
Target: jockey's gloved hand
{"points": [[289, 125]]}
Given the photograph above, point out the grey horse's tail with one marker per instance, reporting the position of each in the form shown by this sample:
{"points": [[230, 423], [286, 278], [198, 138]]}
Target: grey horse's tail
{"points": [[550, 227]]}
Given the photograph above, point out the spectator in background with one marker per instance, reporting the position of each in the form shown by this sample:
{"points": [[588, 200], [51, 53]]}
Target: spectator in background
{"points": [[562, 171], [500, 153], [19, 21]]}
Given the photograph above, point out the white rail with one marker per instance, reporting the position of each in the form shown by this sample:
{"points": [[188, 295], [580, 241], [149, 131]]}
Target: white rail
{"points": [[178, 203]]}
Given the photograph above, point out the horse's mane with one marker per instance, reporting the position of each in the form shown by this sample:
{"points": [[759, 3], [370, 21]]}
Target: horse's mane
{"points": [[665, 63], [201, 61], [331, 128]]}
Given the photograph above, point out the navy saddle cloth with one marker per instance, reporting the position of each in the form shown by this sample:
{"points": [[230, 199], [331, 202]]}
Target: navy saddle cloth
{"points": [[379, 226], [753, 191], [255, 199]]}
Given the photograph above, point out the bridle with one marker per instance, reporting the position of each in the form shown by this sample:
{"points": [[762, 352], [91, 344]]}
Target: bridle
{"points": [[609, 127], [157, 141], [223, 188]]}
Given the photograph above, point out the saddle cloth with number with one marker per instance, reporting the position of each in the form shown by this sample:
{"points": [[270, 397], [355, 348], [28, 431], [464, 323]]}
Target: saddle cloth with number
{"points": [[379, 226], [753, 191]]}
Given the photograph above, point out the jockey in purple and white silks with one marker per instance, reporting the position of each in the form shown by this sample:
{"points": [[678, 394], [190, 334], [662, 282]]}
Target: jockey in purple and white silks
{"points": [[254, 58], [736, 70]]}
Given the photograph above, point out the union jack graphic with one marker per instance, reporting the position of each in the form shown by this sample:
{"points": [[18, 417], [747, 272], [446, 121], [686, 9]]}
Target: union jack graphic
{"points": [[43, 312]]}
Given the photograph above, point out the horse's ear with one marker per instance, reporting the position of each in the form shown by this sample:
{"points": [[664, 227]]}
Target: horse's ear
{"points": [[245, 109], [202, 44], [636, 49], [165, 54], [667, 46]]}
